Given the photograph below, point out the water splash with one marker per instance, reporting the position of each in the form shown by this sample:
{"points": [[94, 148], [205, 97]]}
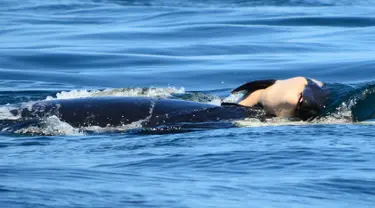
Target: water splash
{"points": [[50, 126], [124, 92], [5, 112]]}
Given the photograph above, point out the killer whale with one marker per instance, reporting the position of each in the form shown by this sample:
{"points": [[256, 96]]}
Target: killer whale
{"points": [[117, 111], [152, 112]]}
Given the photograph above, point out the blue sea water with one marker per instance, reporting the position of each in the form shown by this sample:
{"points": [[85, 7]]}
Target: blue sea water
{"points": [[195, 50]]}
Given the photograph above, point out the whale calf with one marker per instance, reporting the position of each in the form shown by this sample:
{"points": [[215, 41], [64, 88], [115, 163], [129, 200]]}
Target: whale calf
{"points": [[294, 97]]}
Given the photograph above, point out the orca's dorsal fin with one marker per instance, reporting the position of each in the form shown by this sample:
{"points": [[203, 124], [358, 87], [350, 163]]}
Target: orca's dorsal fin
{"points": [[250, 87]]}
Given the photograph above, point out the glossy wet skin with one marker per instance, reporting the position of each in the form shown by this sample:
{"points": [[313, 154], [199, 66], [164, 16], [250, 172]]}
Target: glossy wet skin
{"points": [[280, 99]]}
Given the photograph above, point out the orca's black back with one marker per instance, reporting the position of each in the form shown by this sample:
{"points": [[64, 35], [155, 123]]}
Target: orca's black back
{"points": [[112, 111]]}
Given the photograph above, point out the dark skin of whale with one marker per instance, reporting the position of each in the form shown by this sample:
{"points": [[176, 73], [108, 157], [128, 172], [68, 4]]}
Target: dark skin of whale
{"points": [[307, 103], [117, 111]]}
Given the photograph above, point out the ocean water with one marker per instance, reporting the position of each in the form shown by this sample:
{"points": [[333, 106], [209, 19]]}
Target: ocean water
{"points": [[193, 50]]}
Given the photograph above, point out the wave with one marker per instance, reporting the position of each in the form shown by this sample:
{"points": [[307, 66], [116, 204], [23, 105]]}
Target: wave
{"points": [[79, 6], [235, 3]]}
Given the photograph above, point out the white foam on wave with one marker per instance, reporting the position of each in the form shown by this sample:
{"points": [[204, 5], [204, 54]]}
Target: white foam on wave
{"points": [[342, 115], [233, 98], [215, 101], [253, 122], [51, 125], [122, 128], [286, 122], [5, 112], [124, 92]]}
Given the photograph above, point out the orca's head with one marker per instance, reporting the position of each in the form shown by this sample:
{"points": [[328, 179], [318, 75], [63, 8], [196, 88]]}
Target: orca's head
{"points": [[312, 102]]}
